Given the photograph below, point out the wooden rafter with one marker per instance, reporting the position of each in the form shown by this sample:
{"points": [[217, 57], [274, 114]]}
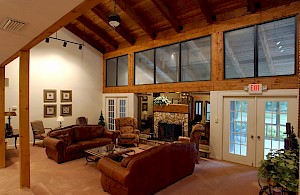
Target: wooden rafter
{"points": [[206, 11], [87, 38], [131, 13], [98, 31], [161, 6], [251, 6], [120, 30]]}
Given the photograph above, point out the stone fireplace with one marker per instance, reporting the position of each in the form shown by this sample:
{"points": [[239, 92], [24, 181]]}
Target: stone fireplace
{"points": [[176, 114]]}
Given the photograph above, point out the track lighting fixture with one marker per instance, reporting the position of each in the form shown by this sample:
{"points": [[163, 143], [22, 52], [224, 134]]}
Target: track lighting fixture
{"points": [[80, 45]]}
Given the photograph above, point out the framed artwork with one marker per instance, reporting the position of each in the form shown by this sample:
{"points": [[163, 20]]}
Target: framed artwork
{"points": [[144, 106], [49, 95], [66, 110], [66, 95], [49, 110]]}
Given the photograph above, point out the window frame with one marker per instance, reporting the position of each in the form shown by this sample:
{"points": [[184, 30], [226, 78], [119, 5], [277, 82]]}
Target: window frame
{"points": [[255, 45], [116, 73]]}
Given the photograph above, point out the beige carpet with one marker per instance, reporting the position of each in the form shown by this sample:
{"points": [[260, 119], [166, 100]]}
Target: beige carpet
{"points": [[75, 177]]}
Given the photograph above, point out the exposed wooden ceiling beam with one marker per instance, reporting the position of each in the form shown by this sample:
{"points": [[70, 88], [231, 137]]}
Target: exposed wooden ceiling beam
{"points": [[161, 6], [251, 6], [120, 30], [210, 18], [98, 31], [131, 13], [87, 38]]}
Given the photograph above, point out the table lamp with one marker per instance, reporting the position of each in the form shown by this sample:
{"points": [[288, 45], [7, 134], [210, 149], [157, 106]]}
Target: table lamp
{"points": [[145, 114], [60, 119], [8, 127]]}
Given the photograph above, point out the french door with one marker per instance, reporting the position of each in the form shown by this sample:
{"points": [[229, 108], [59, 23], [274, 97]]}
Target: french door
{"points": [[116, 107], [254, 126]]}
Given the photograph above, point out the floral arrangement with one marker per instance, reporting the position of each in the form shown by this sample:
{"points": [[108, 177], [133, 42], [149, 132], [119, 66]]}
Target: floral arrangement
{"points": [[161, 101]]}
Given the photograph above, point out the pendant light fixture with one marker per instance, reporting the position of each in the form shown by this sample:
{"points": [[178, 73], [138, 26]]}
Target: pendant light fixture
{"points": [[114, 19]]}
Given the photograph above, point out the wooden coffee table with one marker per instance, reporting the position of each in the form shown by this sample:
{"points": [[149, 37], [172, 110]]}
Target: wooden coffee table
{"points": [[94, 154]]}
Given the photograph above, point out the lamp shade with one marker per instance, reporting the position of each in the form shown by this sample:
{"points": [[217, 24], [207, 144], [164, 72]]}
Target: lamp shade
{"points": [[10, 114], [114, 20], [60, 119]]}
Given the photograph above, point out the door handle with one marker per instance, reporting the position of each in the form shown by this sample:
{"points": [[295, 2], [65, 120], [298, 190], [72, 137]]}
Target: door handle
{"points": [[258, 137]]}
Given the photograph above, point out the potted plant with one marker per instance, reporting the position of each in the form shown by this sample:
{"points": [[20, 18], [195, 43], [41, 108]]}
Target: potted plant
{"points": [[281, 168], [161, 101]]}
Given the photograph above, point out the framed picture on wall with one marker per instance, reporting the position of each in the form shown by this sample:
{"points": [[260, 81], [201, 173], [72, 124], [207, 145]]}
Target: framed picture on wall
{"points": [[49, 110], [66, 95], [66, 110], [144, 106], [49, 95]]}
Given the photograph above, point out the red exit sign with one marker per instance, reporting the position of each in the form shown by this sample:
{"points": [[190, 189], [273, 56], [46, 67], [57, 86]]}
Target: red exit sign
{"points": [[255, 88]]}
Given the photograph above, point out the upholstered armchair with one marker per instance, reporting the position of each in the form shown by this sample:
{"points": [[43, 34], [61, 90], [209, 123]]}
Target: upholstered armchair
{"points": [[126, 130], [38, 130], [81, 121], [195, 136]]}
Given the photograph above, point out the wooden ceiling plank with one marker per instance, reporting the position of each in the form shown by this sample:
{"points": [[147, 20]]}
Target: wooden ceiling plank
{"points": [[132, 14], [161, 6], [120, 30], [251, 6], [73, 29], [98, 31], [206, 11]]}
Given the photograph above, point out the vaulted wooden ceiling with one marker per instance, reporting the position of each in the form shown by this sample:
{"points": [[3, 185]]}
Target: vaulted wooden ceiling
{"points": [[144, 20]]}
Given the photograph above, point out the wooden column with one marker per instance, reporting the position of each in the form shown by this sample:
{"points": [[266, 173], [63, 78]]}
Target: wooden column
{"points": [[2, 119], [24, 154]]}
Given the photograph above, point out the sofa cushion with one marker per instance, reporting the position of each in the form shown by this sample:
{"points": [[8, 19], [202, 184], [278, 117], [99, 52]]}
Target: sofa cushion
{"points": [[65, 138], [96, 131], [127, 160], [81, 133], [102, 141], [129, 136], [88, 144], [58, 132], [74, 148], [126, 129]]}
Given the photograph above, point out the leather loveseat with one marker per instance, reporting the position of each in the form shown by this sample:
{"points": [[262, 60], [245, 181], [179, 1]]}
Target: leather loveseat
{"points": [[70, 142], [149, 171]]}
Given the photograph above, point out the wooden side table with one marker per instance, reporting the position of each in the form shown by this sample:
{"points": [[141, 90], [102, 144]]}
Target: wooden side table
{"points": [[14, 135]]}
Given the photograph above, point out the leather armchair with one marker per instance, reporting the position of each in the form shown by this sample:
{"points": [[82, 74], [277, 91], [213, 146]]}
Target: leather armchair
{"points": [[195, 137], [38, 130], [126, 130]]}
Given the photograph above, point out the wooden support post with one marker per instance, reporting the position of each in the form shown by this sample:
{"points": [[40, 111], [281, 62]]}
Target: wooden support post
{"points": [[2, 119], [24, 147]]}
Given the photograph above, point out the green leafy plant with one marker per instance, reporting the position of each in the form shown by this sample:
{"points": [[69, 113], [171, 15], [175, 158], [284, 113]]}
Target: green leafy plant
{"points": [[101, 120], [161, 101], [282, 166]]}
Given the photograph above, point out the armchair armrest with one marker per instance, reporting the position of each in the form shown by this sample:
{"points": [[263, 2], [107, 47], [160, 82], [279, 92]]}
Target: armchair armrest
{"points": [[54, 143], [36, 132], [118, 132], [113, 170]]}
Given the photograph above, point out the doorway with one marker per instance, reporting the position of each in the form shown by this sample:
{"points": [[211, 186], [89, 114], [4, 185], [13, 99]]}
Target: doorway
{"points": [[115, 107], [253, 126]]}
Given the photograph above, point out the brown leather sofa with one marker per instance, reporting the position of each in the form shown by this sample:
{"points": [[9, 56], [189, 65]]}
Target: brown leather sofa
{"points": [[149, 171], [70, 142]]}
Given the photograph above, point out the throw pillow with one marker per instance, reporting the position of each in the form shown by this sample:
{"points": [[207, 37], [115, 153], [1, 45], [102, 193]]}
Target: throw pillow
{"points": [[65, 138]]}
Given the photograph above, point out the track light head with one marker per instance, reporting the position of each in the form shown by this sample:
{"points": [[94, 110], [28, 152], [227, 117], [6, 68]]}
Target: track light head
{"points": [[47, 40], [80, 47], [65, 44]]}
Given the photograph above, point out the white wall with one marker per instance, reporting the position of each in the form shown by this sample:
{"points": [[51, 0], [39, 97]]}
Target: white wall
{"points": [[53, 66]]}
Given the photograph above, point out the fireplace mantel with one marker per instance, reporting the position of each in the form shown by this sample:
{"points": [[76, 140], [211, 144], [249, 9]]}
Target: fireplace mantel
{"points": [[172, 108]]}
